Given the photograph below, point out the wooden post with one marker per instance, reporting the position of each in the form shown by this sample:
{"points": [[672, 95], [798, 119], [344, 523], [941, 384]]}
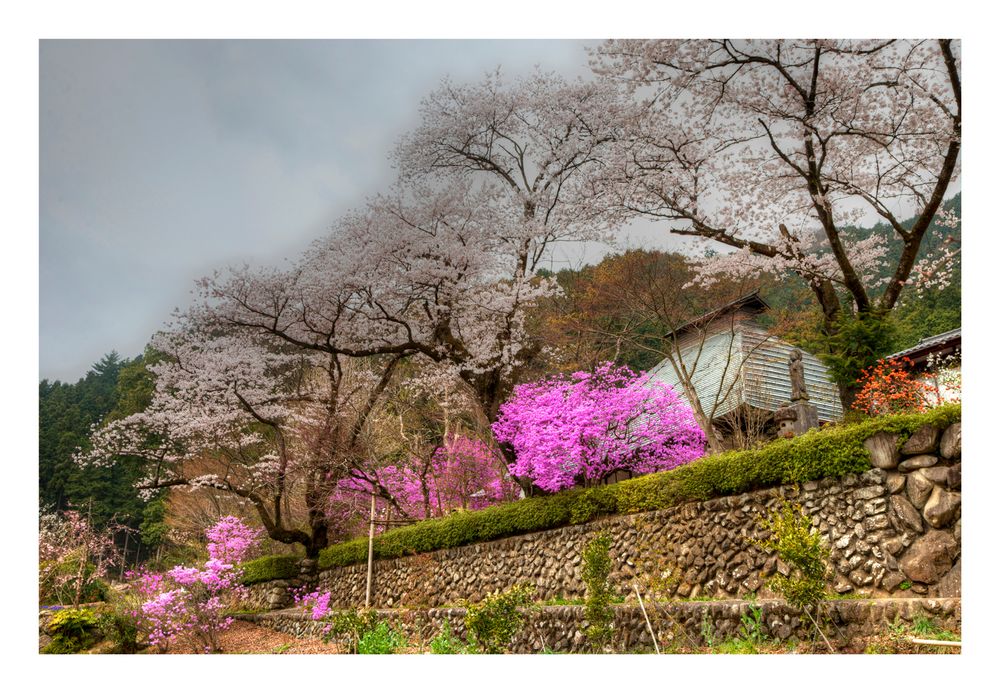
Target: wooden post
{"points": [[371, 543], [121, 572]]}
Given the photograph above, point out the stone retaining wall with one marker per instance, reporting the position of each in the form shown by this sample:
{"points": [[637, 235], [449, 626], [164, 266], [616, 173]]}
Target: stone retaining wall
{"points": [[561, 628], [892, 531]]}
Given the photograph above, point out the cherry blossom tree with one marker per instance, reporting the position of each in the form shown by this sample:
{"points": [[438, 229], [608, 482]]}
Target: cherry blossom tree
{"points": [[73, 554], [567, 430], [536, 141], [774, 148], [271, 421], [446, 265]]}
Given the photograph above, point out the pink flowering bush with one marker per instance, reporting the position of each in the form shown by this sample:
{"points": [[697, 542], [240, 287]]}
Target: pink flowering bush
{"points": [[231, 541], [462, 473], [569, 429], [316, 603], [188, 600]]}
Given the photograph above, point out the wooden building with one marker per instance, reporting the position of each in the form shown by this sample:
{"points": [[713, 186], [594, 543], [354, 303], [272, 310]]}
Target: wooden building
{"points": [[740, 371]]}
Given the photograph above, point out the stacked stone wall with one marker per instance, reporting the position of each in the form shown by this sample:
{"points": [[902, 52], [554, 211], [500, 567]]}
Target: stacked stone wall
{"points": [[681, 623]]}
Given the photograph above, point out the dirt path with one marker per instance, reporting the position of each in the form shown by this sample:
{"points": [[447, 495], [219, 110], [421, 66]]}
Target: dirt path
{"points": [[249, 638]]}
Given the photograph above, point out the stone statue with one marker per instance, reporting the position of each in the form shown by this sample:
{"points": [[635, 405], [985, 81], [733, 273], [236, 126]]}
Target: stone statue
{"points": [[797, 373]]}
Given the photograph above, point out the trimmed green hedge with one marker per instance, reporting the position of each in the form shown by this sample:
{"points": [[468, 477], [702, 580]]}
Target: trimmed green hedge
{"points": [[270, 568], [830, 452]]}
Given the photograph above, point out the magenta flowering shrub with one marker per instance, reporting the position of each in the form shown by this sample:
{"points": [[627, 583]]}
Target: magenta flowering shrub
{"points": [[230, 540], [316, 603], [462, 473], [569, 429], [188, 600]]}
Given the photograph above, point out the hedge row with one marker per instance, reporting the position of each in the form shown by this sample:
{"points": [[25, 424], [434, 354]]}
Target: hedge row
{"points": [[830, 452], [269, 568]]}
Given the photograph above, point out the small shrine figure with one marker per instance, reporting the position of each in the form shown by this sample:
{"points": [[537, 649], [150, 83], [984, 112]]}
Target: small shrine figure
{"points": [[796, 372], [797, 416]]}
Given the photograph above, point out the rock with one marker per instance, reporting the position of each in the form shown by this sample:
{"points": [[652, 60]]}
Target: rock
{"points": [[874, 476], [908, 516], [918, 462], [784, 568], [942, 507], [844, 541], [951, 442], [874, 506], [930, 557], [918, 489], [876, 522], [858, 577], [883, 450], [923, 440], [951, 584], [955, 477], [895, 482], [868, 492], [939, 475], [842, 586], [892, 580]]}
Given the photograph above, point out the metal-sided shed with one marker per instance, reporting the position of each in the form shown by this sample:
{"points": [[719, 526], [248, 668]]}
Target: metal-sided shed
{"points": [[734, 362]]}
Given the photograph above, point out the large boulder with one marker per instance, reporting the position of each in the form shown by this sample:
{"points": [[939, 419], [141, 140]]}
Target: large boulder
{"points": [[918, 489], [951, 441], [942, 507], [883, 450], [907, 514], [951, 584], [918, 462], [923, 440], [930, 557]]}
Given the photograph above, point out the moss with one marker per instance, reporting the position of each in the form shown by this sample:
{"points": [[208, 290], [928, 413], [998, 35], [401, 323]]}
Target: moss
{"points": [[831, 452], [270, 568]]}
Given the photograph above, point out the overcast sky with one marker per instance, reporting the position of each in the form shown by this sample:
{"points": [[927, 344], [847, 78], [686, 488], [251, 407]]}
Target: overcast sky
{"points": [[163, 160]]}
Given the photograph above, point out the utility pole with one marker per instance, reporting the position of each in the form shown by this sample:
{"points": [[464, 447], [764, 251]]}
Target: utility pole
{"points": [[371, 543]]}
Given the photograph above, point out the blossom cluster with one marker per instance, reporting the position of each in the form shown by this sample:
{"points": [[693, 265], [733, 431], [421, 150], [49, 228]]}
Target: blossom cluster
{"points": [[316, 603], [462, 473], [191, 600], [569, 429], [889, 387]]}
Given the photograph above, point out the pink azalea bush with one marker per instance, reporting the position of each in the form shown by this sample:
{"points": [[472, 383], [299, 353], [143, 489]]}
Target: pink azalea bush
{"points": [[231, 541], [188, 600], [462, 473], [569, 429]]}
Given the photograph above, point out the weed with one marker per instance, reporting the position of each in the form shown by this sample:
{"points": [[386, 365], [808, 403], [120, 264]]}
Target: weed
{"points": [[596, 569], [382, 639], [72, 630], [707, 630], [447, 643], [492, 624]]}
